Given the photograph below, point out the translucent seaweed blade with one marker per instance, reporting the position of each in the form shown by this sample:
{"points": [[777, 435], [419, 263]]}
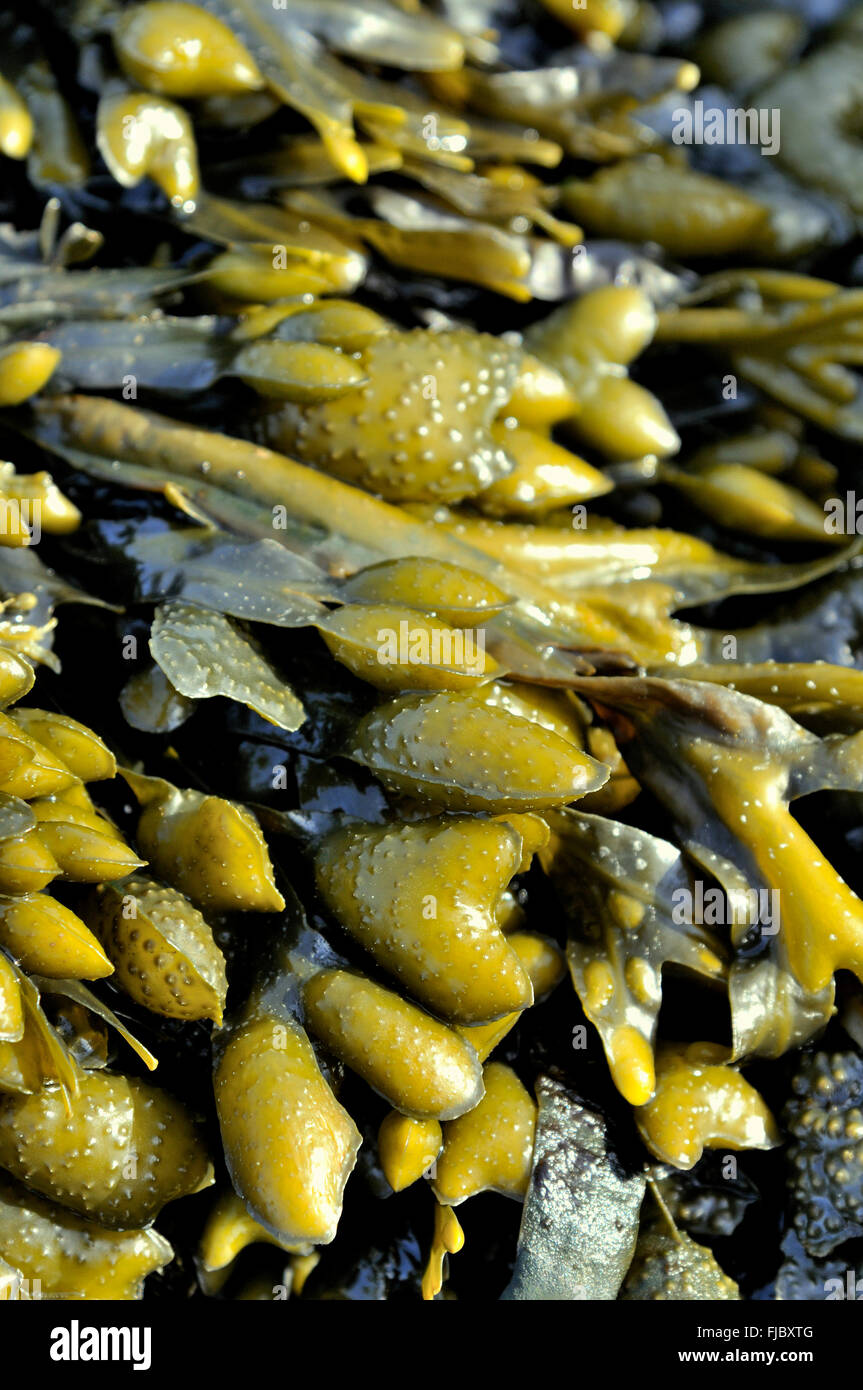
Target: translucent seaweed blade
{"points": [[22, 571], [377, 32], [150, 703], [203, 654], [262, 225], [300, 72], [725, 766], [605, 555], [770, 1012], [260, 581], [817, 694], [74, 989], [622, 887], [62, 1067], [16, 817], [47, 294], [170, 355]]}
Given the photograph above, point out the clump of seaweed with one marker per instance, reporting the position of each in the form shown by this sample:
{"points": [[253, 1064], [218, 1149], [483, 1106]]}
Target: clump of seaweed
{"points": [[512, 665]]}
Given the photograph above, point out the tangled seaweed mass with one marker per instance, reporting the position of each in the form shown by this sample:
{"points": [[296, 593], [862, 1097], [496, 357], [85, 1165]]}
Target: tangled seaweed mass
{"points": [[431, 650]]}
